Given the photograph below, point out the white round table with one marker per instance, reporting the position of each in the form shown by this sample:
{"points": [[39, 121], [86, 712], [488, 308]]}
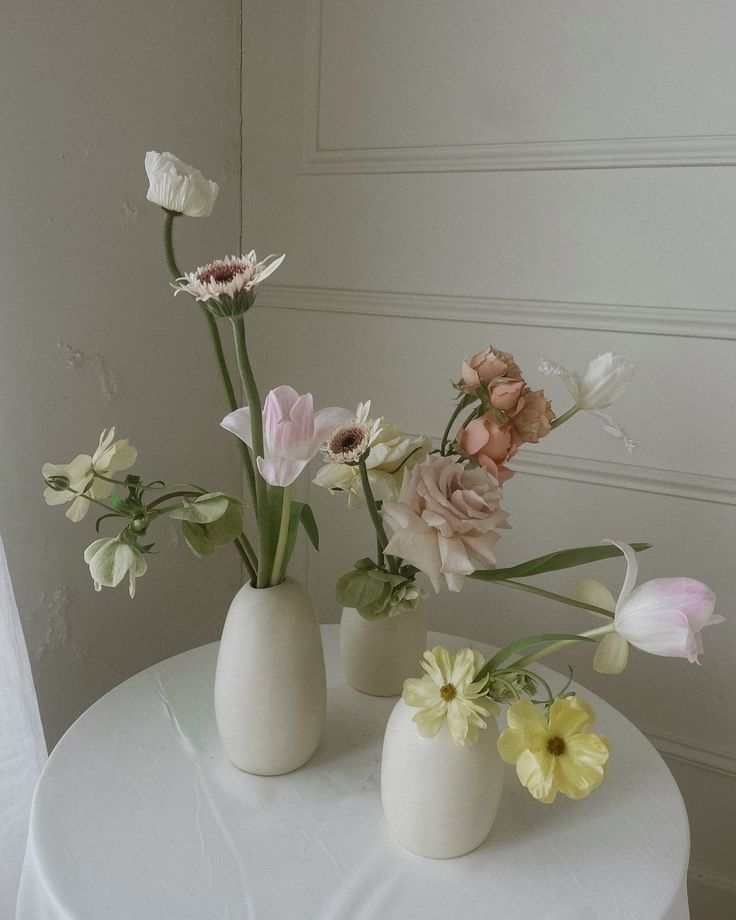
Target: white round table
{"points": [[139, 816]]}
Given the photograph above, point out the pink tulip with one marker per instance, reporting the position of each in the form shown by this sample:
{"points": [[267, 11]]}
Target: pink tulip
{"points": [[292, 432], [664, 616]]}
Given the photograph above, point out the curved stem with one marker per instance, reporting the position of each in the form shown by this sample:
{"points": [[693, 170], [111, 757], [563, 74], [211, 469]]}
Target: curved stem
{"points": [[164, 498], [550, 595], [169, 243], [375, 515], [231, 399], [458, 409], [554, 646], [256, 430], [561, 419], [277, 576]]}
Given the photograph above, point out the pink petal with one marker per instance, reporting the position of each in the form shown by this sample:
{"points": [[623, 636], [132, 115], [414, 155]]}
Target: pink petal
{"points": [[659, 631], [327, 420], [278, 471], [694, 599], [301, 429], [238, 423], [476, 436]]}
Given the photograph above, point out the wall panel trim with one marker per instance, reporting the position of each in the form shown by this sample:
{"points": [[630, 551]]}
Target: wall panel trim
{"points": [[575, 153], [622, 318]]}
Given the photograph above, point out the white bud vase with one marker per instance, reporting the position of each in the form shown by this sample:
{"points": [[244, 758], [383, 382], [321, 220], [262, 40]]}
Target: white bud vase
{"points": [[440, 798], [378, 655], [270, 689]]}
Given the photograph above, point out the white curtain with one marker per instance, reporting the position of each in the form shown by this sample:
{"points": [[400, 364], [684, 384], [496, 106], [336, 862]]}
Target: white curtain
{"points": [[22, 745]]}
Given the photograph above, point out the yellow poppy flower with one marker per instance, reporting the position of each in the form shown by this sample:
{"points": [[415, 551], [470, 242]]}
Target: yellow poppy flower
{"points": [[555, 754]]}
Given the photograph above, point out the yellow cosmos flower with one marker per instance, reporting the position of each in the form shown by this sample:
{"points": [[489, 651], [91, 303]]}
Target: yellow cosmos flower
{"points": [[448, 691], [559, 754]]}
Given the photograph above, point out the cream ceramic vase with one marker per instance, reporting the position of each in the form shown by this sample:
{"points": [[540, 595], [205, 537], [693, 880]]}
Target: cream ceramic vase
{"points": [[270, 690], [378, 655], [439, 797]]}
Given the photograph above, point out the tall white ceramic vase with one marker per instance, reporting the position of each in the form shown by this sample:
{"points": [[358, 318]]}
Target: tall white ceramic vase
{"points": [[439, 797], [378, 655], [270, 690]]}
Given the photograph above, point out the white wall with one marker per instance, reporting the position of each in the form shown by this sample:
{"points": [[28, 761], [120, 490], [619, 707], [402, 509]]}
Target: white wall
{"points": [[91, 335], [442, 175]]}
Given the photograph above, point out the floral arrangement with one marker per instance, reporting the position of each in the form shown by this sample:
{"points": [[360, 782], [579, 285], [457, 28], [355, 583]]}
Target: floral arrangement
{"points": [[443, 510], [277, 438]]}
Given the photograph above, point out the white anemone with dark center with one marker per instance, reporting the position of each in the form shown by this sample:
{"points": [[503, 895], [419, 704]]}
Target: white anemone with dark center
{"points": [[349, 443], [226, 279]]}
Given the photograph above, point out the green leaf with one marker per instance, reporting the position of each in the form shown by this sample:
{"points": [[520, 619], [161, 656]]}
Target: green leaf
{"points": [[197, 539], [553, 562], [205, 509], [358, 589], [204, 539], [519, 644], [309, 523]]}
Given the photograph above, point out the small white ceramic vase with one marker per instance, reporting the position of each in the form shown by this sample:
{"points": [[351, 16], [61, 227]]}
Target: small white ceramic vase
{"points": [[439, 797], [378, 655], [270, 690]]}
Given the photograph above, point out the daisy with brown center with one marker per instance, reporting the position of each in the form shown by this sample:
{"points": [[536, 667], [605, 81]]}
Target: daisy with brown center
{"points": [[450, 692], [555, 753], [227, 286]]}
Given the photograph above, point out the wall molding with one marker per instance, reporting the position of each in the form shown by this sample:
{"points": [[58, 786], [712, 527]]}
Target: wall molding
{"points": [[578, 153], [714, 489], [674, 748], [555, 314]]}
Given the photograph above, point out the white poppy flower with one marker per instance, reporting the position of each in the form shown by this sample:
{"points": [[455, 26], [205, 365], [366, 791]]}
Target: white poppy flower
{"points": [[448, 691], [178, 187], [109, 458]]}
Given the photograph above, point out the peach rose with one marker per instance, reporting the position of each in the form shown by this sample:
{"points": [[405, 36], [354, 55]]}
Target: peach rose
{"points": [[489, 444], [485, 367], [532, 422], [508, 397], [446, 520]]}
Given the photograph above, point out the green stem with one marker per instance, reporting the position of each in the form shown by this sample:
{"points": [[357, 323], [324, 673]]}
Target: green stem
{"points": [[164, 498], [169, 243], [256, 429], [550, 595], [246, 553], [231, 398], [561, 419], [554, 646], [278, 559], [216, 344], [375, 515], [458, 409]]}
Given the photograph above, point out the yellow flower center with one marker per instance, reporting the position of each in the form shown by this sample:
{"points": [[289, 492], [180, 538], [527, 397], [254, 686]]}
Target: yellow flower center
{"points": [[556, 746], [448, 692]]}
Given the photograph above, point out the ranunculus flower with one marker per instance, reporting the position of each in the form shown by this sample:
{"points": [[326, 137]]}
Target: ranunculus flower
{"points": [[178, 187], [485, 367], [533, 420], [664, 616], [489, 444], [227, 286], [449, 691], [292, 432], [80, 474], [445, 521], [391, 453], [555, 754], [604, 381], [110, 559]]}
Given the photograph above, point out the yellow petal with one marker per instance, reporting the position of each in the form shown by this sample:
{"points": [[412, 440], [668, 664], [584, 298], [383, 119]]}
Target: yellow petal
{"points": [[590, 591], [582, 767], [537, 772], [523, 712], [438, 664], [569, 716], [420, 691], [429, 720], [611, 655]]}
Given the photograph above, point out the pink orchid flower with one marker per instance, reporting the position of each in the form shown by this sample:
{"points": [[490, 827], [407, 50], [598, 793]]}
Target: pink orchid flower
{"points": [[292, 432], [664, 616]]}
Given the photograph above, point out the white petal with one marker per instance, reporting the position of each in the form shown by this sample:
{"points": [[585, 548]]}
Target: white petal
{"points": [[611, 655]]}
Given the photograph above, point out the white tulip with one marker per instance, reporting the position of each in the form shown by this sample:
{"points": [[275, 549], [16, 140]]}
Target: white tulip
{"points": [[178, 187], [604, 381]]}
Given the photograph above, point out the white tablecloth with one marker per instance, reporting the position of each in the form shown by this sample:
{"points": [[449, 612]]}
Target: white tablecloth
{"points": [[139, 816]]}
